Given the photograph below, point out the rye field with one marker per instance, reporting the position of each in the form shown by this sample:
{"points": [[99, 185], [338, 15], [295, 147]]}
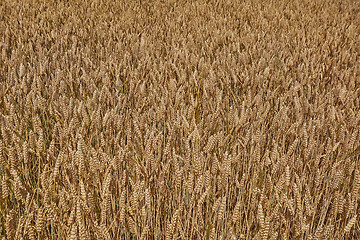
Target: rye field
{"points": [[206, 119]]}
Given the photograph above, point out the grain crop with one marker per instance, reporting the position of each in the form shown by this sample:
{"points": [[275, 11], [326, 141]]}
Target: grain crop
{"points": [[206, 119]]}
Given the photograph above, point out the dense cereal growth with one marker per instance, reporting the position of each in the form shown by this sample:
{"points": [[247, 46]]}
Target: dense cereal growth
{"points": [[180, 119]]}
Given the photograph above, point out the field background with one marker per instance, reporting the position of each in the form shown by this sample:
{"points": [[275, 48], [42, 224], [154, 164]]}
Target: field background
{"points": [[180, 119]]}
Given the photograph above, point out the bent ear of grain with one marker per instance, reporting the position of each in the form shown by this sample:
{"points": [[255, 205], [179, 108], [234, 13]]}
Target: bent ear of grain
{"points": [[350, 224]]}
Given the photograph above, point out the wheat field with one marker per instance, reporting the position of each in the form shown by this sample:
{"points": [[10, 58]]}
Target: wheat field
{"points": [[180, 119]]}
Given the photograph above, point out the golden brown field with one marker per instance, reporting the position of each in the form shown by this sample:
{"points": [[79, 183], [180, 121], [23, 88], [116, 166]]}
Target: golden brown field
{"points": [[180, 119]]}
